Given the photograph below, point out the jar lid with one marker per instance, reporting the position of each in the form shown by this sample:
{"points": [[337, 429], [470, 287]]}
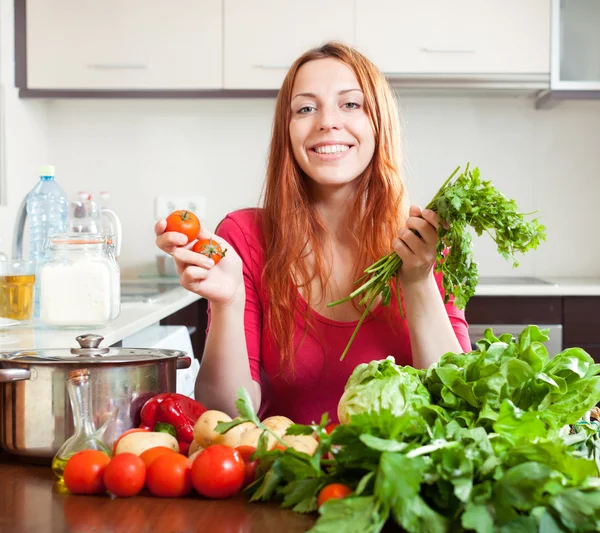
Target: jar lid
{"points": [[79, 240], [89, 352]]}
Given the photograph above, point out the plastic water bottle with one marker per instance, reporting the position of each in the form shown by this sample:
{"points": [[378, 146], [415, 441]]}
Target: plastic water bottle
{"points": [[47, 211]]}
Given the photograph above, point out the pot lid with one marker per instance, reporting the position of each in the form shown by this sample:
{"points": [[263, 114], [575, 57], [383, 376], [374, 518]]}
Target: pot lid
{"points": [[89, 352]]}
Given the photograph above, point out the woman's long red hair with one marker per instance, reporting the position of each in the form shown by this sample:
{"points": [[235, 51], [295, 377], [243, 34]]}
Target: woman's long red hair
{"points": [[292, 225]]}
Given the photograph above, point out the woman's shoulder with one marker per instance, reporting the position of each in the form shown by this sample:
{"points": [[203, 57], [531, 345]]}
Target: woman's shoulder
{"points": [[243, 230], [247, 219]]}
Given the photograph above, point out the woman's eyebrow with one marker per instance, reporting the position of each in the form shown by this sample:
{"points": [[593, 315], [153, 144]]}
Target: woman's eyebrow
{"points": [[313, 95]]}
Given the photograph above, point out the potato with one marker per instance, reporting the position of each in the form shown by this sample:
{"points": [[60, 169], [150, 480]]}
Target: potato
{"points": [[302, 443], [194, 447], [278, 424], [250, 438], [233, 436], [141, 441], [204, 429]]}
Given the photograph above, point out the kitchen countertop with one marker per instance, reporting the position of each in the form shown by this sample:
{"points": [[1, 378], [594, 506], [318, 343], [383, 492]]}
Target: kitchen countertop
{"points": [[32, 502], [135, 316], [553, 287]]}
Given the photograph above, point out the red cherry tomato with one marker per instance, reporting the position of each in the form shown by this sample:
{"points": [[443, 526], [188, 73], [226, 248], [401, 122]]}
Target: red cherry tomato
{"points": [[333, 491], [151, 454], [218, 472], [210, 248], [125, 475], [330, 427], [250, 466], [84, 472], [184, 222], [169, 476]]}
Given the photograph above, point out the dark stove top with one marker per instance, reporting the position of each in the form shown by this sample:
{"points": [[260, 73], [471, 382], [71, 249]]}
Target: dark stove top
{"points": [[512, 280]]}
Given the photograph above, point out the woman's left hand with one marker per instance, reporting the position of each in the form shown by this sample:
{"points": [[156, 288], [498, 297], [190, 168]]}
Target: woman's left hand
{"points": [[417, 251]]}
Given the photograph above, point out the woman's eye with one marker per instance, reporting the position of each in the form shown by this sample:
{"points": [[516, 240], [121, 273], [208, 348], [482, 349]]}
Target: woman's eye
{"points": [[305, 109], [351, 105]]}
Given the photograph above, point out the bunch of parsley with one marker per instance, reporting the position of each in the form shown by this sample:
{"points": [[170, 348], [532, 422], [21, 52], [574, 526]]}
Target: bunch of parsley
{"points": [[466, 202], [484, 449]]}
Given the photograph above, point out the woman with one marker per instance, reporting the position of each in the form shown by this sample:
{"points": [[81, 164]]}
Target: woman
{"points": [[334, 203]]}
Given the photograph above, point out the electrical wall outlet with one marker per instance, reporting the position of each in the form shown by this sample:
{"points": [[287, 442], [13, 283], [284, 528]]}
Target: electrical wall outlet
{"points": [[165, 205]]}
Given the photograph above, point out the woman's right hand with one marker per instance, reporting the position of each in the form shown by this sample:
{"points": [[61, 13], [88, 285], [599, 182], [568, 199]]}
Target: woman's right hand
{"points": [[221, 284]]}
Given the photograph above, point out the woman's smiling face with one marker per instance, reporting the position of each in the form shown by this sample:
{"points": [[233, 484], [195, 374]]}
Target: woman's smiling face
{"points": [[331, 134]]}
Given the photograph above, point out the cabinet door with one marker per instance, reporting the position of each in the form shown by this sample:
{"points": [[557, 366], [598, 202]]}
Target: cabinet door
{"points": [[263, 37], [455, 37], [124, 44], [576, 44]]}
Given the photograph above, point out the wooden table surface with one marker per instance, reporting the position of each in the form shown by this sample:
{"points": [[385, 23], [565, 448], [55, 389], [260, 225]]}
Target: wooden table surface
{"points": [[31, 502]]}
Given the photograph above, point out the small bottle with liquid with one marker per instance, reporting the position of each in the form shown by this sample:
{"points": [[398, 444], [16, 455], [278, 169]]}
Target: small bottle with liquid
{"points": [[86, 436]]}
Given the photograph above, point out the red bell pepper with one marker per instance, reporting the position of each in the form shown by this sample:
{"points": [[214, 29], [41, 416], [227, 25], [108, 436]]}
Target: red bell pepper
{"points": [[178, 410]]}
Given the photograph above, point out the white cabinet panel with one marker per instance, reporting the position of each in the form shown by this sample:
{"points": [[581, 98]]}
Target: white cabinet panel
{"points": [[455, 37], [264, 37], [124, 44]]}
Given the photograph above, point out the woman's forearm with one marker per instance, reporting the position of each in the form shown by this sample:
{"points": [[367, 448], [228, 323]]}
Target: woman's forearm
{"points": [[225, 366], [431, 334]]}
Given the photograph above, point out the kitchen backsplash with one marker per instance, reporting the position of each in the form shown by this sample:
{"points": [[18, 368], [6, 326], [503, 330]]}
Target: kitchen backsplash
{"points": [[547, 160]]}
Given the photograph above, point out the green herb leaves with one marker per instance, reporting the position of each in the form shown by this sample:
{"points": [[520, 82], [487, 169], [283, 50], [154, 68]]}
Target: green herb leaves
{"points": [[467, 202], [489, 441]]}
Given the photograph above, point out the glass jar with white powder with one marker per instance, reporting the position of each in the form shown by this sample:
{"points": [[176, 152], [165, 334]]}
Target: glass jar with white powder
{"points": [[80, 282]]}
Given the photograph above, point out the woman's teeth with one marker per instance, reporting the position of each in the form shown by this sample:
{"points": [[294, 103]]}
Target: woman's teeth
{"points": [[331, 148]]}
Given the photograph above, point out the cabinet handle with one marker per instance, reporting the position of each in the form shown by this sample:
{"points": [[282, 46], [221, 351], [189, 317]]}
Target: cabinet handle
{"points": [[118, 66], [272, 67], [448, 50]]}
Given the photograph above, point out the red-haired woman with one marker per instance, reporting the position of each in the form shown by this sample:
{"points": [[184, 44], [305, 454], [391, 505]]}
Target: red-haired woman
{"points": [[334, 203]]}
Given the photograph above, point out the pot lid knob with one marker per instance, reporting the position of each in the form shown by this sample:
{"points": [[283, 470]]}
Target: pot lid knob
{"points": [[89, 345]]}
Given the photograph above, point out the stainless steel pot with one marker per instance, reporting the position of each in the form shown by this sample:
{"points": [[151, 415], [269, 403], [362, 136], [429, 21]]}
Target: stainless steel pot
{"points": [[35, 412]]}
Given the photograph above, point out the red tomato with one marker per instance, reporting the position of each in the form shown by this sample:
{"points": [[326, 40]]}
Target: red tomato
{"points": [[333, 491], [210, 248], [169, 476], [125, 475], [184, 222], [134, 430], [151, 454], [218, 472], [330, 427], [250, 466], [84, 472]]}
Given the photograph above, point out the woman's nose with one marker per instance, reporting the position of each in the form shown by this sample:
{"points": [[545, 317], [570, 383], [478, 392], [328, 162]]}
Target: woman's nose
{"points": [[330, 118]]}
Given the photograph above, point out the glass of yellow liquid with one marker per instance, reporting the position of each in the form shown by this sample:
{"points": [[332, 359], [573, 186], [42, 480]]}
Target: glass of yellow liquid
{"points": [[17, 286]]}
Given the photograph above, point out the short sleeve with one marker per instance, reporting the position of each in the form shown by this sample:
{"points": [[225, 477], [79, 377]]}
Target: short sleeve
{"points": [[457, 318], [241, 235]]}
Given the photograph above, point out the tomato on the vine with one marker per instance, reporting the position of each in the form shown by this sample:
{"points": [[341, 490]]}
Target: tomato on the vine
{"points": [[218, 472], [250, 466], [333, 491], [210, 248], [184, 222], [125, 475], [84, 472]]}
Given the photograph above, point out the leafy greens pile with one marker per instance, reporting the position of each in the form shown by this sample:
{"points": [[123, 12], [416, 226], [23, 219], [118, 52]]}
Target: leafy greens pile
{"points": [[487, 441], [465, 202]]}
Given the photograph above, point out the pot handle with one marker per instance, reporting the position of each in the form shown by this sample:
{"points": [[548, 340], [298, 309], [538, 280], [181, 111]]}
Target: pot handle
{"points": [[14, 374], [182, 363]]}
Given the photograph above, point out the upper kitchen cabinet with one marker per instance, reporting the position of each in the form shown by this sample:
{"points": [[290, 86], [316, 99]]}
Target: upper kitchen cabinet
{"points": [[264, 37], [470, 39], [576, 44], [108, 45]]}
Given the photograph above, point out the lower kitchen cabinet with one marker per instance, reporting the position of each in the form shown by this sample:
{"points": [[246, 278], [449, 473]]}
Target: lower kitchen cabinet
{"points": [[195, 318], [579, 316]]}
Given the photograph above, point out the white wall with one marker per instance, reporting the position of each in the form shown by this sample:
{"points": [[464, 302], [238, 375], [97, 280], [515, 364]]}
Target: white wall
{"points": [[26, 134], [546, 160]]}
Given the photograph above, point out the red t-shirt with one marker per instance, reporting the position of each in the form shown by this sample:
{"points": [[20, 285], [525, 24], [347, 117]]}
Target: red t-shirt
{"points": [[320, 376]]}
